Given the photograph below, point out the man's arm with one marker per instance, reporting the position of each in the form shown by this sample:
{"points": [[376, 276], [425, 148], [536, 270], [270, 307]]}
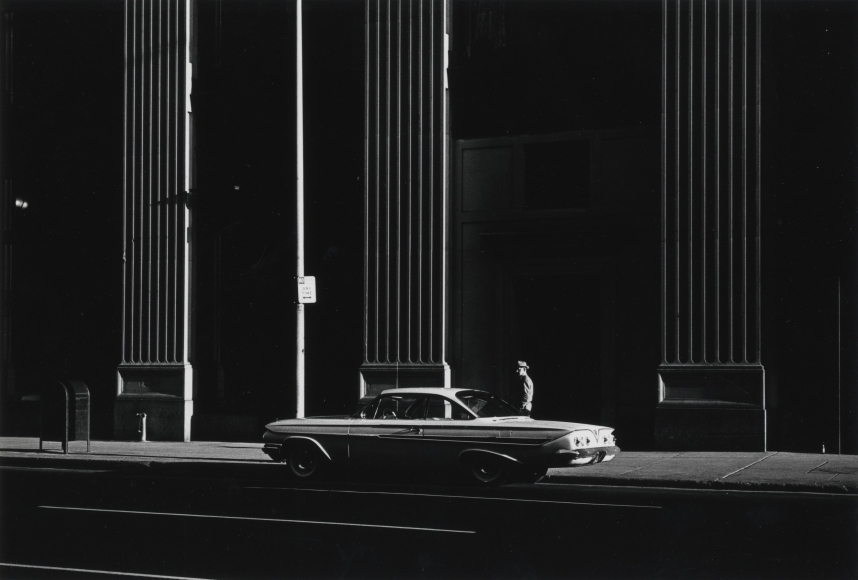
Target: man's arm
{"points": [[526, 391]]}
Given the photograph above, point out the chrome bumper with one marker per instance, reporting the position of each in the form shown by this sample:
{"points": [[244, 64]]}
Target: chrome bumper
{"points": [[589, 456]]}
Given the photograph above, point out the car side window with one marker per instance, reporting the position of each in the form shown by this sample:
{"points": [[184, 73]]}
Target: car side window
{"points": [[440, 408], [397, 407], [417, 410]]}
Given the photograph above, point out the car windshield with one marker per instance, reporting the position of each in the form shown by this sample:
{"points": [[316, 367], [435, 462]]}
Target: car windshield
{"points": [[486, 405]]}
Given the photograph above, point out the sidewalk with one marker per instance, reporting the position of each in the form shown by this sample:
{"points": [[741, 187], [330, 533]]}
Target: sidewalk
{"points": [[769, 471], [749, 471]]}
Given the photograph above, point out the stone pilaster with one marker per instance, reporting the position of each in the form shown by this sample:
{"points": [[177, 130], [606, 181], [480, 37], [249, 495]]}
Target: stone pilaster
{"points": [[7, 208], [155, 376], [711, 391], [407, 136]]}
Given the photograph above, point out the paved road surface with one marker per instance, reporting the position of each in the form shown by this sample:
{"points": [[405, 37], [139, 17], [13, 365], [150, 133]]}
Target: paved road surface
{"points": [[74, 524]]}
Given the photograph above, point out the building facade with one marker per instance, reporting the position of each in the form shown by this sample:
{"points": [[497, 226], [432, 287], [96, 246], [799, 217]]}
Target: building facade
{"points": [[653, 204]]}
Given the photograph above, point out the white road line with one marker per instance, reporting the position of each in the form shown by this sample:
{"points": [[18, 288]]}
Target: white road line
{"points": [[657, 507], [88, 571], [350, 524]]}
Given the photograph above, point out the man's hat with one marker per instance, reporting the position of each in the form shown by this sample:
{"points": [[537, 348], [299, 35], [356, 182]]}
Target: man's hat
{"points": [[522, 364]]}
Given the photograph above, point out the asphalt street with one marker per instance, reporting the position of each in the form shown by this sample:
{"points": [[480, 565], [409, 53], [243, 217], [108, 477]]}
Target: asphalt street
{"points": [[99, 523]]}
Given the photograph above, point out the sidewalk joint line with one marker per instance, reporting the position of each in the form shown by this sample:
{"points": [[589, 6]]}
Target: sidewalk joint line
{"points": [[818, 466], [747, 466], [662, 460]]}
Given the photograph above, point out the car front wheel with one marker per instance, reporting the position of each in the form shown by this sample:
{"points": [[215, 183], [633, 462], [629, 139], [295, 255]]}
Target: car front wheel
{"points": [[304, 461]]}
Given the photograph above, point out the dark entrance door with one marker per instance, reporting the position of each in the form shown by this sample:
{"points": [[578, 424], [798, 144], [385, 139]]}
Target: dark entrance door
{"points": [[557, 330]]}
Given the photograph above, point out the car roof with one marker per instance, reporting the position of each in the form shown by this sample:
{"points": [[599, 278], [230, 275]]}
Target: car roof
{"points": [[425, 391]]}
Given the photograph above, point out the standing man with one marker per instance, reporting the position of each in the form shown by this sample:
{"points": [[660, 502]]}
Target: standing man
{"points": [[525, 399]]}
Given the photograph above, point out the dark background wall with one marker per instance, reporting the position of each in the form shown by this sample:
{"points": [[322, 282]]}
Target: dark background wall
{"points": [[65, 158], [244, 102], [543, 66], [334, 116], [809, 146], [244, 106]]}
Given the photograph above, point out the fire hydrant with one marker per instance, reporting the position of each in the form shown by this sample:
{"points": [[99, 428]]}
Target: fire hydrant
{"points": [[141, 426]]}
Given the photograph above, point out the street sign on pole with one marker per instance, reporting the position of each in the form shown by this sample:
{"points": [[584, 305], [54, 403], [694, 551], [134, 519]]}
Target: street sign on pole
{"points": [[306, 289]]}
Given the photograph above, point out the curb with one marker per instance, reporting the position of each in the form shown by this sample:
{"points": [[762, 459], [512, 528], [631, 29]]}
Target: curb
{"points": [[155, 467], [266, 469], [713, 485]]}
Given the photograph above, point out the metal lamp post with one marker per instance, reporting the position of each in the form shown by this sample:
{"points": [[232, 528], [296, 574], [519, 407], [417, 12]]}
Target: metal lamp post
{"points": [[299, 263]]}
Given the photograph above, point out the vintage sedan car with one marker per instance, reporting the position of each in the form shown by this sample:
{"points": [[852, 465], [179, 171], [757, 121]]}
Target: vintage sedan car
{"points": [[440, 429]]}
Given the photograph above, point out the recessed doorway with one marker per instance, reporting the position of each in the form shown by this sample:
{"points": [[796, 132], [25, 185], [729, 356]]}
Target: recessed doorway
{"points": [[559, 323]]}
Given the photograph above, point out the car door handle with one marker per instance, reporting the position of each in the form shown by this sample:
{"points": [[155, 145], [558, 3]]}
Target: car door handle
{"points": [[415, 430]]}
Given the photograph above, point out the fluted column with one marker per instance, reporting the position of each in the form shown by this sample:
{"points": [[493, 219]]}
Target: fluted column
{"points": [[406, 195], [155, 376], [711, 378]]}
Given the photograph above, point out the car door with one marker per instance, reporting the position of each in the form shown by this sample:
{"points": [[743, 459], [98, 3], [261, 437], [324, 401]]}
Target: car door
{"points": [[450, 429], [390, 433]]}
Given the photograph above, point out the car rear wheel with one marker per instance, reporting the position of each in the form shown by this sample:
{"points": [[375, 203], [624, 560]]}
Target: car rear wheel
{"points": [[304, 461], [486, 471]]}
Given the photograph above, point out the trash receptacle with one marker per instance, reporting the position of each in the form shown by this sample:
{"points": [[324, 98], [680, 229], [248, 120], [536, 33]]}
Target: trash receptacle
{"points": [[65, 413]]}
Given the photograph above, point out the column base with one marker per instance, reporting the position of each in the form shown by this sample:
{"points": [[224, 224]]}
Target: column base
{"points": [[167, 418], [704, 407], [163, 392], [713, 429], [374, 378]]}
